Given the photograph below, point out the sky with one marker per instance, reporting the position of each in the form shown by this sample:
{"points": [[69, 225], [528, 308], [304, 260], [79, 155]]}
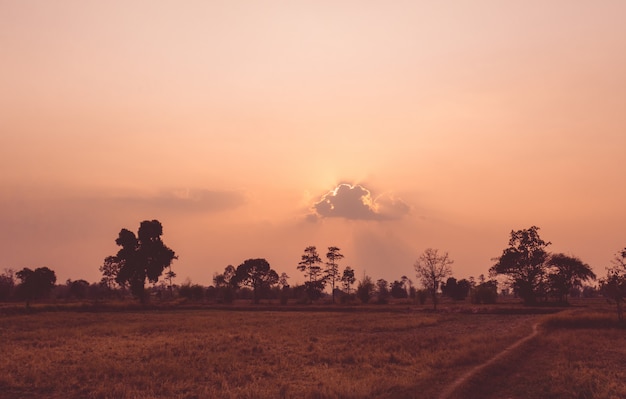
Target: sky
{"points": [[253, 129]]}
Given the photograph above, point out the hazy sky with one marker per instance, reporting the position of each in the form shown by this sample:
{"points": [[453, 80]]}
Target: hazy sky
{"points": [[234, 123]]}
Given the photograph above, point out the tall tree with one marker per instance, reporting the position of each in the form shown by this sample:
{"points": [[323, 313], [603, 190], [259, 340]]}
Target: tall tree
{"points": [[310, 266], [332, 268], [256, 274], [142, 257], [109, 269], [524, 262], [567, 272], [347, 279], [431, 269], [35, 284]]}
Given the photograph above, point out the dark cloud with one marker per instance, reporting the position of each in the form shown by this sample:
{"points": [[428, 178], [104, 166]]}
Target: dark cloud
{"points": [[355, 202]]}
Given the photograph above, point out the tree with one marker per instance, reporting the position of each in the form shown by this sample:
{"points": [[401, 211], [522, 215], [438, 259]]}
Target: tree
{"points": [[310, 265], [77, 289], [365, 289], [142, 257], [7, 284], [332, 268], [382, 289], [225, 284], [431, 269], [347, 279], [567, 272], [35, 284], [109, 269], [256, 274], [398, 290], [524, 263], [613, 286], [457, 290]]}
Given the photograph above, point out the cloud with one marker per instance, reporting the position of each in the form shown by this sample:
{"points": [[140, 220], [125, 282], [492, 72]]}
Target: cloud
{"points": [[195, 200], [355, 202]]}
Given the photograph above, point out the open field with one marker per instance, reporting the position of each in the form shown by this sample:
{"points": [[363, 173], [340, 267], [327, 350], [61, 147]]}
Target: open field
{"points": [[314, 354]]}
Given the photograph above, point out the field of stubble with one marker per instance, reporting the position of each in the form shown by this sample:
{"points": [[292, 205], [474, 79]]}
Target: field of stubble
{"points": [[295, 354]]}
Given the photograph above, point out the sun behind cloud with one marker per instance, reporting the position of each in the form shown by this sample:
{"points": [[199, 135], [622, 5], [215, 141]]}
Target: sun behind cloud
{"points": [[355, 202]]}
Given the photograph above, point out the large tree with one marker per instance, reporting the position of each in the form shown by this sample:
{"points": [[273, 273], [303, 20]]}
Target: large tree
{"points": [[566, 273], [524, 262], [35, 284], [431, 269], [310, 265], [332, 267], [142, 256], [256, 274]]}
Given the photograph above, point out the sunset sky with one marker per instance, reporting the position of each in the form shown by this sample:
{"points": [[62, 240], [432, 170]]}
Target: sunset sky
{"points": [[257, 128]]}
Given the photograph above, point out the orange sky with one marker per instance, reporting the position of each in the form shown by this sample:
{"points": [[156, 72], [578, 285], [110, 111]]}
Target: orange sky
{"points": [[229, 120]]}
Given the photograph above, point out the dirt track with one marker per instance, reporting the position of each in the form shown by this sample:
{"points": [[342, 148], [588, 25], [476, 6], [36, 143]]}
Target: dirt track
{"points": [[448, 392]]}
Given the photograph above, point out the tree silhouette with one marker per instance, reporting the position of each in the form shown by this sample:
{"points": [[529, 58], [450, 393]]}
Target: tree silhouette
{"points": [[109, 269], [524, 262], [35, 284], [256, 274], [142, 257], [431, 269], [568, 272], [347, 279], [365, 289], [457, 290], [332, 268], [398, 290], [310, 265]]}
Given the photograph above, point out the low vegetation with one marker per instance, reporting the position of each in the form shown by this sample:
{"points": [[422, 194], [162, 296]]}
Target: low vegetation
{"points": [[245, 354]]}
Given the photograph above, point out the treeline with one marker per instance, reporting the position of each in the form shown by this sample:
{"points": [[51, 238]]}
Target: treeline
{"points": [[528, 272]]}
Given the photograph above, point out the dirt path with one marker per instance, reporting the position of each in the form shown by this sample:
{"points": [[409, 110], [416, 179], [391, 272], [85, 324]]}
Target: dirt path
{"points": [[447, 393]]}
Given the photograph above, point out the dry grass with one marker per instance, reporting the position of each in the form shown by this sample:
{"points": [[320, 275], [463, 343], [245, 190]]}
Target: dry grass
{"points": [[245, 354], [580, 354]]}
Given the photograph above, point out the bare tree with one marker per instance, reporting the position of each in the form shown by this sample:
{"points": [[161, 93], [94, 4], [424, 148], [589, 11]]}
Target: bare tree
{"points": [[431, 269]]}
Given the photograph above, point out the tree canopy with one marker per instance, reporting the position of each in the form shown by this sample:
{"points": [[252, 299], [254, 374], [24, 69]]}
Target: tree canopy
{"points": [[36, 283], [524, 262], [257, 274], [141, 257]]}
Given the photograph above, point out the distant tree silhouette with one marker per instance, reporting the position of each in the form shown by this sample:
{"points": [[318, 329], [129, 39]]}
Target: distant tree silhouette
{"points": [[226, 284], [485, 292], [365, 289], [35, 284], [524, 263], [332, 268], [77, 289], [398, 289], [256, 274], [567, 272], [347, 279], [310, 265], [109, 270], [613, 286], [431, 269], [142, 257], [382, 290], [457, 290], [7, 284]]}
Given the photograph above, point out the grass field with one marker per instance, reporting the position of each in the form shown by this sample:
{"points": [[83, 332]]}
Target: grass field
{"points": [[300, 354]]}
